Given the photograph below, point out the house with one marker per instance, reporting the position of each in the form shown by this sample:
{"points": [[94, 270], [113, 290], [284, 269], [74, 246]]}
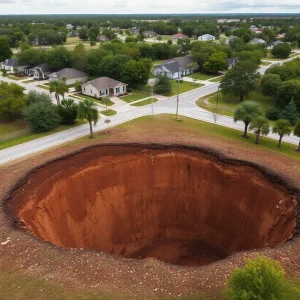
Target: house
{"points": [[253, 28], [69, 75], [116, 29], [102, 38], [206, 37], [280, 36], [231, 62], [104, 86], [273, 44], [257, 41], [179, 36], [11, 64], [174, 68], [41, 71], [149, 34], [70, 26], [135, 30]]}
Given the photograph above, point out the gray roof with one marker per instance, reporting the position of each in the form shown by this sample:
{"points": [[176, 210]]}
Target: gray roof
{"points": [[69, 73], [175, 63], [44, 67], [12, 62], [102, 83]]}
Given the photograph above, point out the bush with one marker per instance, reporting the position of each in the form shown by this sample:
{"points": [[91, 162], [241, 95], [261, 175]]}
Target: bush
{"points": [[163, 86], [42, 116], [129, 90], [68, 111], [93, 43], [282, 50], [261, 278], [272, 113]]}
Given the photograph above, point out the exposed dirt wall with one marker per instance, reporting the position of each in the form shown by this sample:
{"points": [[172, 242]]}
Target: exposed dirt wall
{"points": [[122, 200]]}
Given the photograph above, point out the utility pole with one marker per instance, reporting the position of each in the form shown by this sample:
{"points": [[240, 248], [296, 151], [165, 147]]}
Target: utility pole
{"points": [[178, 91]]}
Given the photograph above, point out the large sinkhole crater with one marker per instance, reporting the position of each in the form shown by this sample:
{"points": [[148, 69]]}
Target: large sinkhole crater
{"points": [[178, 205]]}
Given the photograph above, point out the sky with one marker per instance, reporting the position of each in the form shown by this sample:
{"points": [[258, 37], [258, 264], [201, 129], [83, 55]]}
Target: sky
{"points": [[146, 6]]}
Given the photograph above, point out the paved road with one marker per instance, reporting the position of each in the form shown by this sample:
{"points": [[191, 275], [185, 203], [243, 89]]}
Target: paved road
{"points": [[187, 108]]}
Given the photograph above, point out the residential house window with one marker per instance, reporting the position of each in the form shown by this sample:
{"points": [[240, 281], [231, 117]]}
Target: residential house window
{"points": [[106, 92], [84, 89], [117, 90], [91, 91], [123, 88]]}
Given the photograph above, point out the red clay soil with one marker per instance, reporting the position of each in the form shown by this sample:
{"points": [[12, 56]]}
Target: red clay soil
{"points": [[178, 205]]}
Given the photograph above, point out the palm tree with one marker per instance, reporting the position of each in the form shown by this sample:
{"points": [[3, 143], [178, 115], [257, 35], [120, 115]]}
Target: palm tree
{"points": [[63, 88], [260, 125], [297, 132], [54, 87], [87, 109], [246, 112], [282, 127]]}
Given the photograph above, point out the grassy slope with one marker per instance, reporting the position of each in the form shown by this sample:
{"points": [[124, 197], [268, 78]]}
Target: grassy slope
{"points": [[9, 127]]}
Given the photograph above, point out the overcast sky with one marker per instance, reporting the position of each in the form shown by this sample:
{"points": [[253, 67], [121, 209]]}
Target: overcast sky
{"points": [[146, 6]]}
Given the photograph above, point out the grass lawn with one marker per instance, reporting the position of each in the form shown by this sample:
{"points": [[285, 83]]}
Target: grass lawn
{"points": [[109, 112], [81, 96], [216, 79], [28, 81], [201, 76], [265, 63], [32, 136], [183, 87], [227, 106], [145, 102], [134, 96], [16, 78], [9, 127], [73, 41], [44, 86]]}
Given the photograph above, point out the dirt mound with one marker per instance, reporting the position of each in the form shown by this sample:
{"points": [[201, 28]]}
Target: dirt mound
{"points": [[179, 205]]}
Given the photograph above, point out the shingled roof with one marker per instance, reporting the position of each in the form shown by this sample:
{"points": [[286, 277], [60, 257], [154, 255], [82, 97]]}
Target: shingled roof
{"points": [[69, 73], [175, 63], [102, 83]]}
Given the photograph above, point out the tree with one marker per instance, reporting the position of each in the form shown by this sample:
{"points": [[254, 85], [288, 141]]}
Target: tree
{"points": [[79, 56], [68, 111], [240, 80], [260, 125], [31, 56], [5, 51], [290, 113], [272, 113], [159, 38], [34, 96], [288, 90], [282, 128], [83, 33], [297, 132], [78, 86], [42, 116], [282, 50], [246, 112], [163, 86], [12, 100], [261, 278], [87, 109], [216, 62], [93, 61], [93, 33], [58, 87], [59, 58], [294, 45], [106, 101], [270, 85], [135, 73]]}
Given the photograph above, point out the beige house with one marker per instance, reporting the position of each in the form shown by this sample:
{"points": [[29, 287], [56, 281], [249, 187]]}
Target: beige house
{"points": [[104, 87]]}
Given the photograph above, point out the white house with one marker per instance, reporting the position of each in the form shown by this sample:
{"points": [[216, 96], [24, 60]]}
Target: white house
{"points": [[41, 71], [11, 64], [257, 41], [104, 87], [174, 68], [206, 37], [69, 75]]}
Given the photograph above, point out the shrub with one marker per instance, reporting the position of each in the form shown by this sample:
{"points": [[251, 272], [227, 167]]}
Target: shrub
{"points": [[129, 90], [261, 278], [163, 86], [93, 43], [272, 113], [68, 111]]}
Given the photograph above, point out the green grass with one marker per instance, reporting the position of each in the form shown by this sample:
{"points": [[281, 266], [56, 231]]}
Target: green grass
{"points": [[33, 136], [109, 112], [227, 106], [16, 78], [201, 76], [183, 87], [216, 79], [265, 63], [45, 87], [9, 127], [17, 286], [145, 102], [134, 96], [81, 96]]}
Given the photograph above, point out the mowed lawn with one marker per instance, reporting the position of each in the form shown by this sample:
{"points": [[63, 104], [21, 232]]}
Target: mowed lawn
{"points": [[202, 76], [184, 87], [9, 127], [145, 102], [226, 106], [135, 95]]}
